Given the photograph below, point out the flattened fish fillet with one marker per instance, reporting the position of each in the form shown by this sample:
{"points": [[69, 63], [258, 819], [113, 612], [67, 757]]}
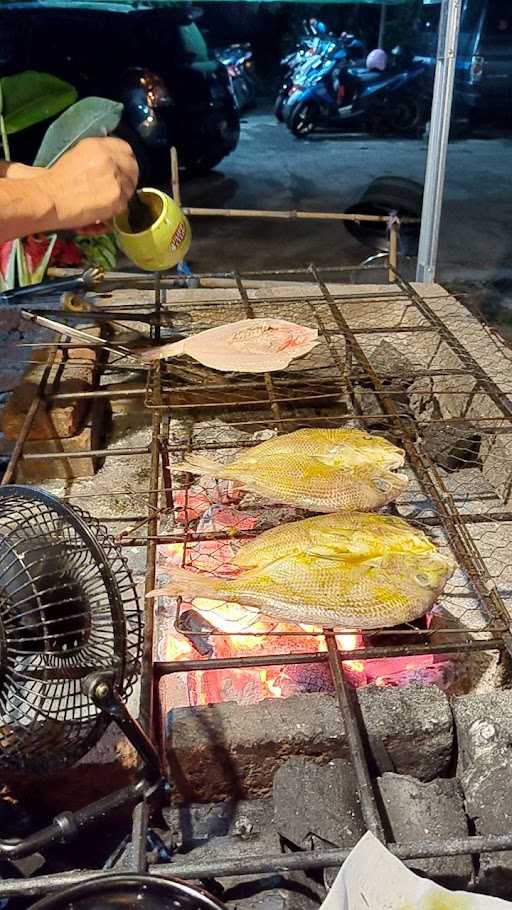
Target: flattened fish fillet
{"points": [[248, 346], [321, 470], [347, 571]]}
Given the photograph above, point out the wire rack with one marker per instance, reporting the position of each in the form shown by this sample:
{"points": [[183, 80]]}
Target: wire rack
{"points": [[416, 368]]}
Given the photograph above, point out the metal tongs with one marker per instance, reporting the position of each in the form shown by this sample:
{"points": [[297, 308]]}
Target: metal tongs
{"points": [[90, 340], [87, 281]]}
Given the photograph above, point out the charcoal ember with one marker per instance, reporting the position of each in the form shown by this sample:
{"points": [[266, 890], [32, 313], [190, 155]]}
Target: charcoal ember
{"points": [[419, 812], [317, 805], [297, 679], [196, 629]]}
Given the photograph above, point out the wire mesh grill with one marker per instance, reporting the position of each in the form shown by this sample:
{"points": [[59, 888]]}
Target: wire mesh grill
{"points": [[68, 607], [422, 372]]}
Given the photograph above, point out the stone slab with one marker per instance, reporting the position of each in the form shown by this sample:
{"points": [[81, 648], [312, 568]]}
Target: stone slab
{"points": [[228, 750]]}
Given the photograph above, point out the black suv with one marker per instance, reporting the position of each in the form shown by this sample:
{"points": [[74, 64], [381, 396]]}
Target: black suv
{"points": [[483, 82], [155, 61]]}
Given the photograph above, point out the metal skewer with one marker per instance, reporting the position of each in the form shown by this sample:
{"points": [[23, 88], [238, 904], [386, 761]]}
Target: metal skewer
{"points": [[89, 339]]}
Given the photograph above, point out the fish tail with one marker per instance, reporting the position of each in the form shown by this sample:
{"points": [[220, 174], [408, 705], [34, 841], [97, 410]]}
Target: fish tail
{"points": [[190, 585], [199, 464], [174, 349]]}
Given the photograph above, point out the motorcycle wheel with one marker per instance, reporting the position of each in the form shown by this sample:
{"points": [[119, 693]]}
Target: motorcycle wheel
{"points": [[405, 116], [278, 107], [302, 119], [243, 93]]}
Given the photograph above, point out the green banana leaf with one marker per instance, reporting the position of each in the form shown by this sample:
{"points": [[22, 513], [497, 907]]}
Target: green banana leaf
{"points": [[88, 117], [31, 97]]}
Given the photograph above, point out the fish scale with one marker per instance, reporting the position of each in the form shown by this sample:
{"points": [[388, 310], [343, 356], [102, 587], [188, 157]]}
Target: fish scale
{"points": [[347, 571], [319, 470]]}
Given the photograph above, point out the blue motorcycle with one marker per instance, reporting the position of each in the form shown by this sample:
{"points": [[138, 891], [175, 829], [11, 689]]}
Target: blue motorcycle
{"points": [[336, 95], [317, 46]]}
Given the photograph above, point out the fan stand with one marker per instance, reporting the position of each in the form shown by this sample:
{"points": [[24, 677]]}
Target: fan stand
{"points": [[152, 785]]}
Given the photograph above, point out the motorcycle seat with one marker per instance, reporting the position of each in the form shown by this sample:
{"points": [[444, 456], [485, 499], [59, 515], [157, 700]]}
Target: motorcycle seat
{"points": [[368, 77]]}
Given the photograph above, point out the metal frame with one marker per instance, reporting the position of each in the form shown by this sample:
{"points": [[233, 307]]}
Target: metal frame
{"points": [[270, 395], [440, 119]]}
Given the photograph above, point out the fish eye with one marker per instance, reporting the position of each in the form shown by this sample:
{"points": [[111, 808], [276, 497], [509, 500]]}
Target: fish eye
{"points": [[382, 484], [423, 580]]}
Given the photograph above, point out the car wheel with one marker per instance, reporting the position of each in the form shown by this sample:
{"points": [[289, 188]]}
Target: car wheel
{"points": [[302, 119], [218, 139]]}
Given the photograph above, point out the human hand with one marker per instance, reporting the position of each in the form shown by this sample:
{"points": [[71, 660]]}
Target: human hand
{"points": [[12, 170], [92, 182]]}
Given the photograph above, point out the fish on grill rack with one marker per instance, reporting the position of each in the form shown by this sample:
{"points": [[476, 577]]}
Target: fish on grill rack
{"points": [[321, 470], [351, 570], [247, 346]]}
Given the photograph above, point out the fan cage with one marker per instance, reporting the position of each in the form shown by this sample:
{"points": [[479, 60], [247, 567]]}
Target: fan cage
{"points": [[68, 607]]}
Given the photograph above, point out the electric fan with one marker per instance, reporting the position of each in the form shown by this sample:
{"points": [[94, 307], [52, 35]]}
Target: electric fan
{"points": [[68, 614], [143, 892]]}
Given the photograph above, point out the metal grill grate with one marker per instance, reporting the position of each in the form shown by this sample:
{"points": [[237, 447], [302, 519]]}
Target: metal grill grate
{"points": [[417, 368]]}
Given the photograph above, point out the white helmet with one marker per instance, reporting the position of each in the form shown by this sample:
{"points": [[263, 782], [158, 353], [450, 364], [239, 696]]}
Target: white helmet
{"points": [[377, 60]]}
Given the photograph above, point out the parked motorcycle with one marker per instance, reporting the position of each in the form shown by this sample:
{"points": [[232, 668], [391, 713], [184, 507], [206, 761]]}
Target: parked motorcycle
{"points": [[338, 94], [316, 46], [239, 62]]}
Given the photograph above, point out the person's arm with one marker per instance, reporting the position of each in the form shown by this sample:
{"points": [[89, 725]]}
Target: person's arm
{"points": [[92, 182]]}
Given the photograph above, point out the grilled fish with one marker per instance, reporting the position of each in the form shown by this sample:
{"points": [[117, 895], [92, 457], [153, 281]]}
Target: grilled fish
{"points": [[247, 346], [319, 470], [347, 571]]}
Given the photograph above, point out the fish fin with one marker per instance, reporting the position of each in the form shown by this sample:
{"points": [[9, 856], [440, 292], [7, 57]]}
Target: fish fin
{"points": [[174, 349], [325, 553], [186, 584], [199, 464]]}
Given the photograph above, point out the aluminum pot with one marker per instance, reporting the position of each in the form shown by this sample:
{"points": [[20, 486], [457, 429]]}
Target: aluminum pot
{"points": [[144, 892]]}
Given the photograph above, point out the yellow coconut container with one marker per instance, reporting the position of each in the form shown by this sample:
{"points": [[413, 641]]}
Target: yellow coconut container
{"points": [[165, 243]]}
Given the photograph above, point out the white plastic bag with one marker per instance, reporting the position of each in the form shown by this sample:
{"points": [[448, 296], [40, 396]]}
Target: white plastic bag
{"points": [[373, 879]]}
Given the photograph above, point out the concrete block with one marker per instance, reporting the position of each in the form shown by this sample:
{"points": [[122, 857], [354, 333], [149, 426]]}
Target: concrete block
{"points": [[229, 750], [414, 725], [482, 722]]}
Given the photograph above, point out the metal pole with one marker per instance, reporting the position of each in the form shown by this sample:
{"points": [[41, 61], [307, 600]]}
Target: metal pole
{"points": [[438, 140], [382, 25]]}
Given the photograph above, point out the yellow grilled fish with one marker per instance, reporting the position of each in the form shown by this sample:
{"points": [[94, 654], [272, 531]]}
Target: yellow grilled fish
{"points": [[351, 570], [320, 470]]}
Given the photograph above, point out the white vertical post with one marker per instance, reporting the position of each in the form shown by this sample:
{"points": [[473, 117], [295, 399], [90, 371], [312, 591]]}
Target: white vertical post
{"points": [[438, 141], [382, 25]]}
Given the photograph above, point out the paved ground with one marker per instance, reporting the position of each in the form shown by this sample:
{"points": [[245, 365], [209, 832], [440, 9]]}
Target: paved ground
{"points": [[272, 170]]}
